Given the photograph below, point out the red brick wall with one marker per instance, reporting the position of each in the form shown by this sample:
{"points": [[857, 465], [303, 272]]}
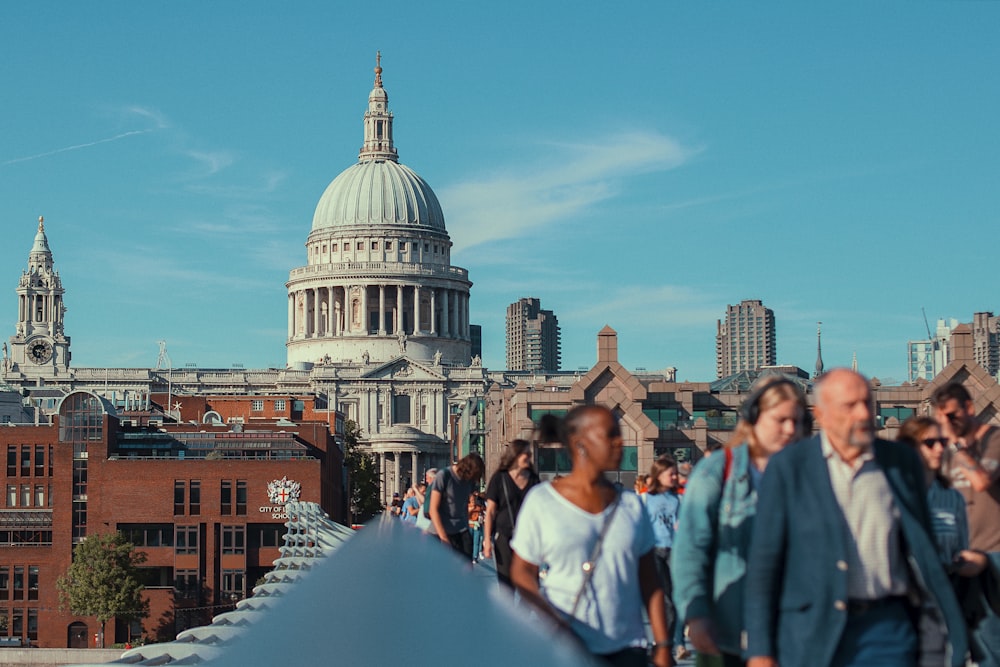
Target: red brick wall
{"points": [[136, 491]]}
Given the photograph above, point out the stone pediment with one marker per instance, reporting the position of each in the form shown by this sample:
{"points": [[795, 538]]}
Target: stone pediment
{"points": [[403, 368]]}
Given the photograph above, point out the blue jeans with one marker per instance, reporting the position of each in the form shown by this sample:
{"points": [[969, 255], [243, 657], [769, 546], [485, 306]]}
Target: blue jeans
{"points": [[883, 636], [477, 541]]}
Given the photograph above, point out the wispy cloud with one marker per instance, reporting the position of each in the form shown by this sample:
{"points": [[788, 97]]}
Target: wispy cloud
{"points": [[673, 306], [212, 161], [165, 273], [575, 176], [267, 183], [159, 123]]}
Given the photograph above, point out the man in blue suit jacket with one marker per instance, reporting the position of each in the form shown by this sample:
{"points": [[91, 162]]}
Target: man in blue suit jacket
{"points": [[842, 549]]}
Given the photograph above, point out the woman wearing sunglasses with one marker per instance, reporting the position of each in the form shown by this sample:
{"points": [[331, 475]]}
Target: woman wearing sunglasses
{"points": [[949, 522]]}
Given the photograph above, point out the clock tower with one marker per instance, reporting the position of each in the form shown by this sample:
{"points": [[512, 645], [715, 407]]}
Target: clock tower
{"points": [[39, 348]]}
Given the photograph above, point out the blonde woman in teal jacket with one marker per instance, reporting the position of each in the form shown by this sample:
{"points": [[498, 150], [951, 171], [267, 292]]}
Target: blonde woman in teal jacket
{"points": [[709, 558]]}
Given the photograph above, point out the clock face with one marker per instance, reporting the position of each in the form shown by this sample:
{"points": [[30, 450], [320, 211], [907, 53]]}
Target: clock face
{"points": [[40, 351]]}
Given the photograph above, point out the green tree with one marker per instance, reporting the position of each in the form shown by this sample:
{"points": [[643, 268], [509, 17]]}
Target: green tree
{"points": [[103, 580], [362, 476]]}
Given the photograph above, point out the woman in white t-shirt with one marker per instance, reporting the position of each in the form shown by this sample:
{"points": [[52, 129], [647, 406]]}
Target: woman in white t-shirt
{"points": [[597, 593]]}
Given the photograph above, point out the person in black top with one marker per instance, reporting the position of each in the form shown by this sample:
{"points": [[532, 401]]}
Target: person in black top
{"points": [[504, 495]]}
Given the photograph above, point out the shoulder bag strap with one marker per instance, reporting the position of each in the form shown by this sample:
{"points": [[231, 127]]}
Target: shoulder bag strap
{"points": [[595, 553], [506, 496]]}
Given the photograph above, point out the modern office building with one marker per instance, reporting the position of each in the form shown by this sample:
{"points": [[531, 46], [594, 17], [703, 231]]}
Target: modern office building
{"points": [[532, 337], [926, 358], [745, 340], [986, 341]]}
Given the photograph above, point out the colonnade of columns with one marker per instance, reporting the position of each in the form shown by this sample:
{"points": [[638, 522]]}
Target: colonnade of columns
{"points": [[428, 409], [39, 308], [391, 470], [318, 312]]}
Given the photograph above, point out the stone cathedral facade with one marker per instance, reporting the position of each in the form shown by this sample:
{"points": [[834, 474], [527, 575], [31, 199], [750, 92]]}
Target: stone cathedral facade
{"points": [[378, 320]]}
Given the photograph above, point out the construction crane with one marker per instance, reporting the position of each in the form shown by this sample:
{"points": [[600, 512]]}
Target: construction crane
{"points": [[934, 342]]}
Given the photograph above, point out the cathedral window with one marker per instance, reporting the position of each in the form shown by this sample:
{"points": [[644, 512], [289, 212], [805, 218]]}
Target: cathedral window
{"points": [[401, 409], [388, 245], [416, 246], [333, 247], [374, 245], [360, 245]]}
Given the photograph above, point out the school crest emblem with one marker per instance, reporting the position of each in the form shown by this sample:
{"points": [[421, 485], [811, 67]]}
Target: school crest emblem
{"points": [[283, 490]]}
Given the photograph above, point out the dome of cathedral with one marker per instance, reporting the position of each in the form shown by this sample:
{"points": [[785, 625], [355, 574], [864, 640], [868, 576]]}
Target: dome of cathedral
{"points": [[378, 192], [378, 283]]}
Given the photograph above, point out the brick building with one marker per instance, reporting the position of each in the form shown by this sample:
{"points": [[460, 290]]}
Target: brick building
{"points": [[203, 499], [659, 415]]}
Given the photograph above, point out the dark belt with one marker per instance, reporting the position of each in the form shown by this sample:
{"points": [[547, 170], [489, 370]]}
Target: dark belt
{"points": [[856, 606]]}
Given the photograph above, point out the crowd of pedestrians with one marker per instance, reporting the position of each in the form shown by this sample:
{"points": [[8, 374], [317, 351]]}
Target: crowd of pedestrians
{"points": [[791, 545]]}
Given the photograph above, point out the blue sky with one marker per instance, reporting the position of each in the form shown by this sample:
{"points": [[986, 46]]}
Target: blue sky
{"points": [[633, 164]]}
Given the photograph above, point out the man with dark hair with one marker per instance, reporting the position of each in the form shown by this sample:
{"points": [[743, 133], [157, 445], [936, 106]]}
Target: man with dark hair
{"points": [[449, 502], [974, 470], [841, 543]]}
